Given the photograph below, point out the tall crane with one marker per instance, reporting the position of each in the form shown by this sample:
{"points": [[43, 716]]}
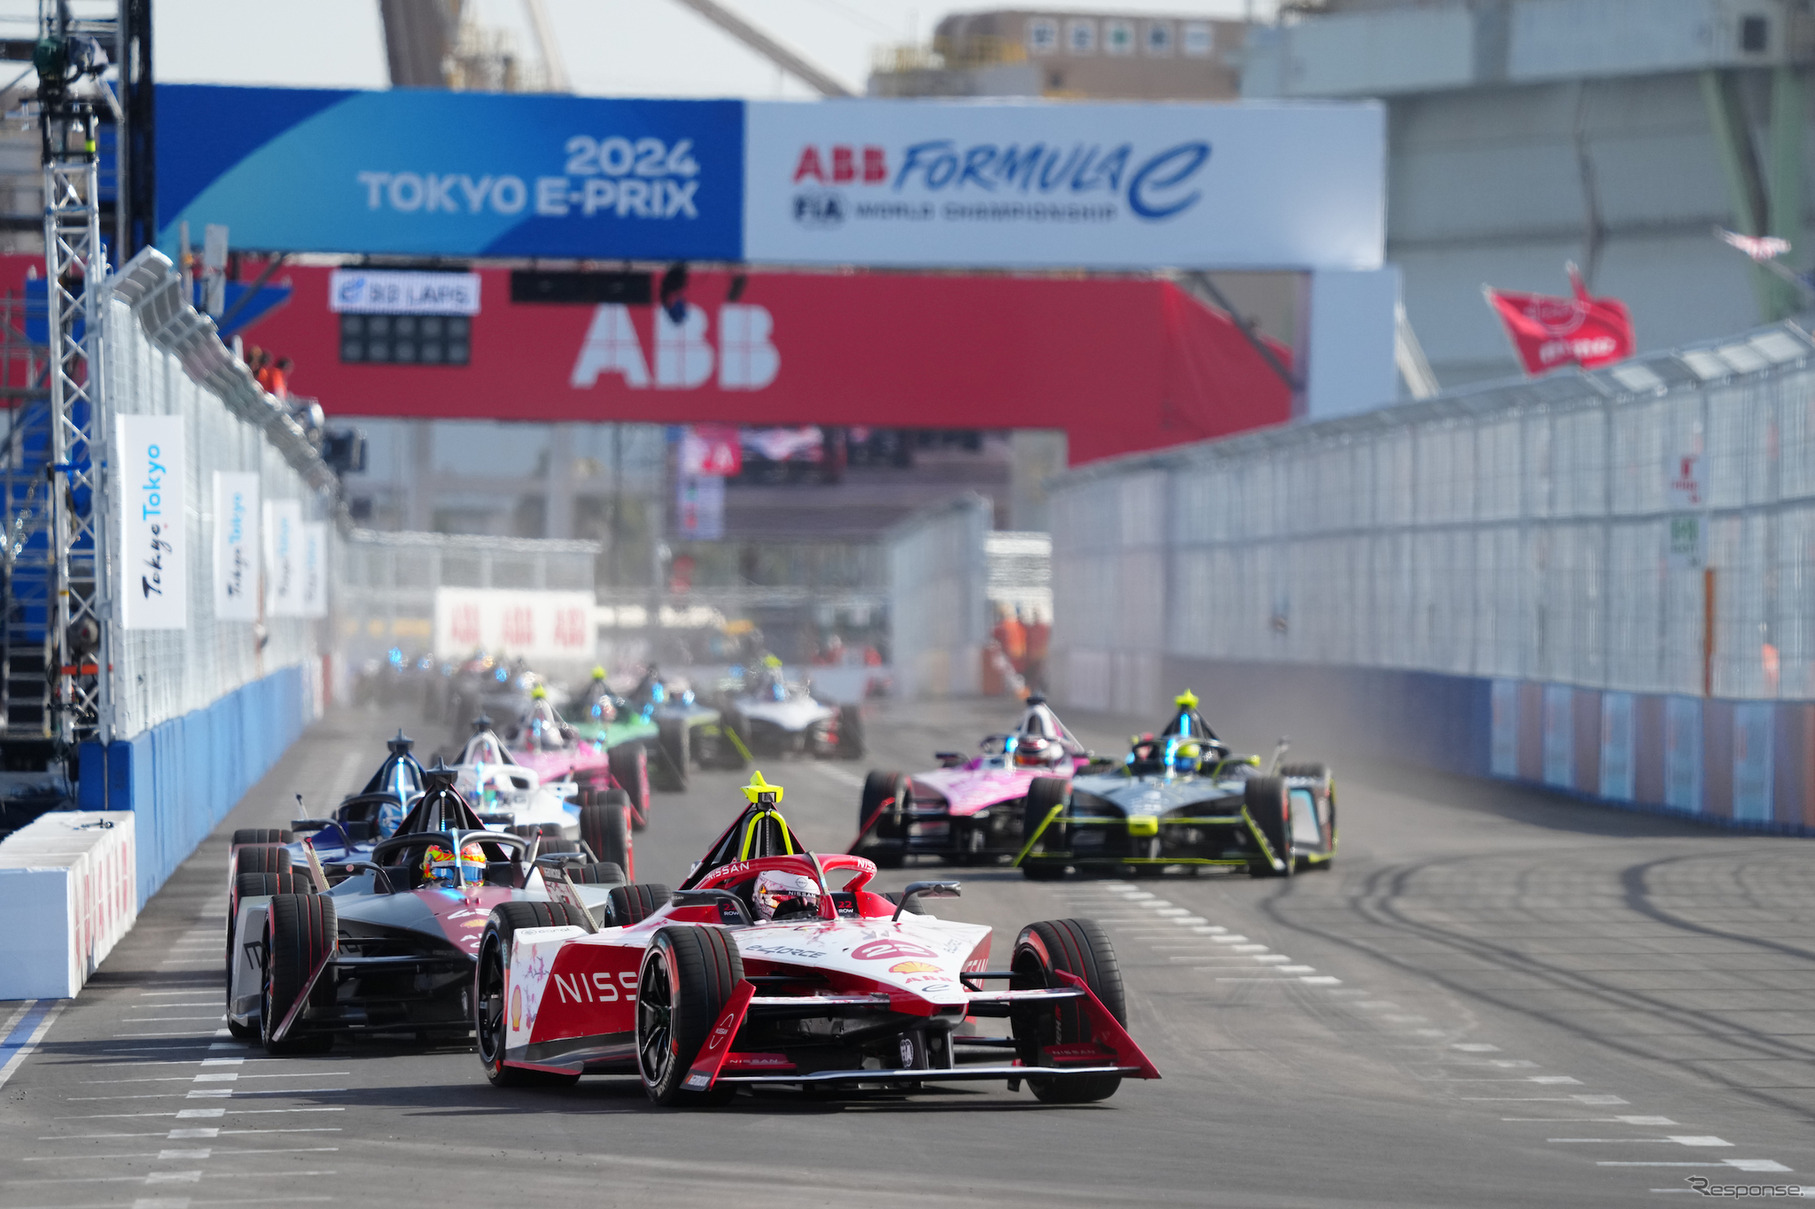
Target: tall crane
{"points": [[421, 37]]}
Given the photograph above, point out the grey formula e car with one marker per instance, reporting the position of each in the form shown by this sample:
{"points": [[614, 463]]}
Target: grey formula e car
{"points": [[1183, 800]]}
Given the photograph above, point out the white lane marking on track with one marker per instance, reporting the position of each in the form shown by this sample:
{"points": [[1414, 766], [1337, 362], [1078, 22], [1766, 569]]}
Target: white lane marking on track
{"points": [[1476, 1047], [1319, 980], [190, 1177], [842, 776], [1626, 1120], [1591, 1099], [23, 1045]]}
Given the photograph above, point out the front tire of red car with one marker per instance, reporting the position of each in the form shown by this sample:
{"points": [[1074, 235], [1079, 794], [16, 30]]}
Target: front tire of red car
{"points": [[490, 979], [687, 978]]}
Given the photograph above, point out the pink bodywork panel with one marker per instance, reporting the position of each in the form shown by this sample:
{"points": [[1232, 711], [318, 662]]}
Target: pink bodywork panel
{"points": [[971, 788]]}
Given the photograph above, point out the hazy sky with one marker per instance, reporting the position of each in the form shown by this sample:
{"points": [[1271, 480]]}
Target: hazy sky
{"points": [[611, 47]]}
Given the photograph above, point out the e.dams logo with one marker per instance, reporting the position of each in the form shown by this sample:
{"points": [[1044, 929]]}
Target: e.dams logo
{"points": [[1036, 182], [890, 950]]}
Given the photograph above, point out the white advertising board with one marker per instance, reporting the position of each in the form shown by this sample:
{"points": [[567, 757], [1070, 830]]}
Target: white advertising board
{"points": [[927, 183], [154, 549], [395, 292], [283, 558], [510, 622], [236, 546], [312, 567]]}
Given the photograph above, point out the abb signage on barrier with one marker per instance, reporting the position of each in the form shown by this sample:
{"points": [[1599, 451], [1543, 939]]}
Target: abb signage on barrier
{"points": [[863, 182], [1120, 364], [511, 622]]}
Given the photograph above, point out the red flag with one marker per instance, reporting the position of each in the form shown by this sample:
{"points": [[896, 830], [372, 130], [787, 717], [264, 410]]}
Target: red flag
{"points": [[1551, 332]]}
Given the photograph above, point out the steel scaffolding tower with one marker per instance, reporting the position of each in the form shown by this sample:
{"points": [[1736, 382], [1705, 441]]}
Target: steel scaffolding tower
{"points": [[76, 272]]}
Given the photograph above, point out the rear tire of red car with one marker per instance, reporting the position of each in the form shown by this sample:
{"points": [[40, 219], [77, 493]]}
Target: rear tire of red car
{"points": [[850, 733], [301, 930], [635, 902], [1080, 948], [489, 981], [885, 797], [600, 873], [630, 770], [671, 745], [606, 830], [1267, 802], [1042, 796], [687, 978], [259, 835]]}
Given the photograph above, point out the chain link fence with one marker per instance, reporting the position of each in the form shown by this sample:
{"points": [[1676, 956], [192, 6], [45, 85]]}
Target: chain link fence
{"points": [[162, 357], [1648, 528]]}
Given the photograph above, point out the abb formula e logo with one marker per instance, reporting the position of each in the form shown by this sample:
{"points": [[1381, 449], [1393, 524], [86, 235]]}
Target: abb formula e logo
{"points": [[681, 355], [1080, 181]]}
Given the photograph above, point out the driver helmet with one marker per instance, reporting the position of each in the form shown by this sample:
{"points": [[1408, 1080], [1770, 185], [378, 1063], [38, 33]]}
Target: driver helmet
{"points": [[1185, 757], [785, 896], [439, 867], [1034, 751]]}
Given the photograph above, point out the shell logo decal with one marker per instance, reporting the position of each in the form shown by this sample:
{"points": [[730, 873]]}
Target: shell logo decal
{"points": [[913, 967], [516, 1008]]}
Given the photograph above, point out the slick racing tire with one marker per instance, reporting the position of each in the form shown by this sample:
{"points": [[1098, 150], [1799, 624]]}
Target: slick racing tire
{"points": [[249, 885], [259, 835], [1042, 796], [300, 931], [671, 744], [850, 733], [261, 858], [1323, 797], [554, 845], [1080, 948], [1266, 802], [885, 798], [600, 873], [687, 978], [605, 828], [634, 902], [630, 771], [490, 979]]}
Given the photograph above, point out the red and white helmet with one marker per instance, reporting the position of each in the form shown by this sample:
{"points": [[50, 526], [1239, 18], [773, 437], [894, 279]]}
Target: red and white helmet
{"points": [[785, 896]]}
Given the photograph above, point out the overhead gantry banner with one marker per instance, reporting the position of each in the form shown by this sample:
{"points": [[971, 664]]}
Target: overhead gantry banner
{"points": [[921, 184]]}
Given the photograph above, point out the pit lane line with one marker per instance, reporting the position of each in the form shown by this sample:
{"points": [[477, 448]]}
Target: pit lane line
{"points": [[32, 1023], [1118, 893]]}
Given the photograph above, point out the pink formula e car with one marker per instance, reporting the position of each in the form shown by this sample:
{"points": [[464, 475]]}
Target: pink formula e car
{"points": [[775, 966], [969, 810]]}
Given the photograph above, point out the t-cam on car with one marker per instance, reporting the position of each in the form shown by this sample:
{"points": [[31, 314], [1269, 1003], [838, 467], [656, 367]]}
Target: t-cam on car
{"points": [[773, 965]]}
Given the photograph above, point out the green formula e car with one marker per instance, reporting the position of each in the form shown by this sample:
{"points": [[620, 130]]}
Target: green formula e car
{"points": [[1182, 800]]}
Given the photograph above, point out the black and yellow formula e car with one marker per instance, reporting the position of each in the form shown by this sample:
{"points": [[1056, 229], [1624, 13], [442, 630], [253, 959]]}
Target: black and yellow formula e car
{"points": [[1182, 800]]}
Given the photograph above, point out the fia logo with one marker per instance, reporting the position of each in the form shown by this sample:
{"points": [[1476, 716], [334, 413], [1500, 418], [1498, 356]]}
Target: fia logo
{"points": [[819, 208]]}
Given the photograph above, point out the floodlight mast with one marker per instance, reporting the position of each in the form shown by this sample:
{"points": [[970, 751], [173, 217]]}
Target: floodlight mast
{"points": [[75, 287]]}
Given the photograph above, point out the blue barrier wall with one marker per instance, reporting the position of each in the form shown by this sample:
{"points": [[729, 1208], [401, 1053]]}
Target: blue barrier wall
{"points": [[1743, 764], [182, 777]]}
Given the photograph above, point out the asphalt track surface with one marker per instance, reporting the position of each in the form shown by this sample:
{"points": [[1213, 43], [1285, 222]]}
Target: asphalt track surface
{"points": [[1495, 997]]}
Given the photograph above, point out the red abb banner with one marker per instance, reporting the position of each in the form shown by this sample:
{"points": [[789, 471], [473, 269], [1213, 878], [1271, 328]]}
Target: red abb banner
{"points": [[1120, 364], [1550, 331]]}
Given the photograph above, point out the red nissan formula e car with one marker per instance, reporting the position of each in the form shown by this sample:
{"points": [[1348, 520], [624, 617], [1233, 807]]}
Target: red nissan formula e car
{"points": [[773, 965]]}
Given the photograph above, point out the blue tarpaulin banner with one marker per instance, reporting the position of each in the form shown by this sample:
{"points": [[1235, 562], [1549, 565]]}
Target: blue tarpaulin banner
{"points": [[434, 173]]}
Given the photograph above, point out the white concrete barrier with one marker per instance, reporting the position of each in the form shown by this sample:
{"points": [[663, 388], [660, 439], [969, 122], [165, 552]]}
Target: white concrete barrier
{"points": [[68, 893]]}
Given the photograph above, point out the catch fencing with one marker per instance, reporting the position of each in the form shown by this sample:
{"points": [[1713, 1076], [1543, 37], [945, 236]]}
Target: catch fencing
{"points": [[1599, 552], [196, 715], [162, 357], [387, 582], [950, 574]]}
